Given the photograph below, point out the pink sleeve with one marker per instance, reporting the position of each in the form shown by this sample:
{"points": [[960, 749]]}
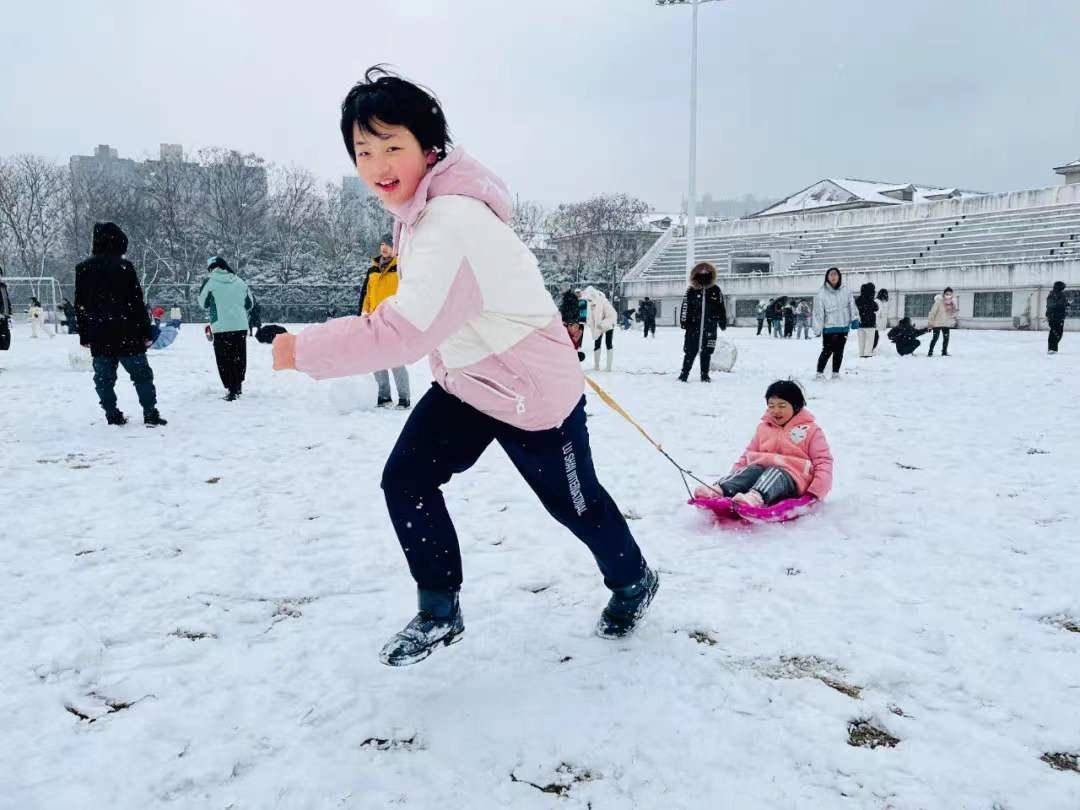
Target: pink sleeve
{"points": [[753, 447], [822, 461], [390, 336]]}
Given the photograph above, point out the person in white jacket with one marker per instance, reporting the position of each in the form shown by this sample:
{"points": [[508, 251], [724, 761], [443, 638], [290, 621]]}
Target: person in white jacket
{"points": [[601, 319], [37, 319]]}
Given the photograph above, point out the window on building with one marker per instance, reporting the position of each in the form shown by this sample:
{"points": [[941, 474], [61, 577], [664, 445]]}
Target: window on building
{"points": [[918, 306], [993, 305], [1072, 297], [746, 308]]}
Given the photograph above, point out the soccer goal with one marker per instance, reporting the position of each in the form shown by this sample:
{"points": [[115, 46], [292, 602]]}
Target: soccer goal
{"points": [[45, 290]]}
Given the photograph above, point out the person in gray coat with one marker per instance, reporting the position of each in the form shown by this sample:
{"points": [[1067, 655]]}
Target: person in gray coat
{"points": [[835, 314]]}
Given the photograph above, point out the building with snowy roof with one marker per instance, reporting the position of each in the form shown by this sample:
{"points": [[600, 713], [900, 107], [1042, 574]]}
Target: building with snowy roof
{"points": [[1001, 252]]}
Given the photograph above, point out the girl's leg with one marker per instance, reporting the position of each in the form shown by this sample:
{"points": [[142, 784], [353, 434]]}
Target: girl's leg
{"points": [[945, 341], [424, 458], [933, 341], [823, 358], [557, 464], [775, 484], [382, 379], [740, 481], [839, 341], [401, 380]]}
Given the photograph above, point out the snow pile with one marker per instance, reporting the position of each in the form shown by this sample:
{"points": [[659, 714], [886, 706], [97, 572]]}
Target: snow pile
{"points": [[193, 613]]}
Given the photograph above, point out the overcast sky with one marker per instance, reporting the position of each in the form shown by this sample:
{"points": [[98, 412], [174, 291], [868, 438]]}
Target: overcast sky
{"points": [[567, 98]]}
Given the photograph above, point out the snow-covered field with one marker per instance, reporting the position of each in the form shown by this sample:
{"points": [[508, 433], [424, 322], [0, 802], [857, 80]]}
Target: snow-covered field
{"points": [[192, 614]]}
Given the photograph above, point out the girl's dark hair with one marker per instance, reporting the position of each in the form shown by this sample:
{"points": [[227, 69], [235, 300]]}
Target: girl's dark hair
{"points": [[789, 391], [948, 289], [386, 98], [883, 294]]}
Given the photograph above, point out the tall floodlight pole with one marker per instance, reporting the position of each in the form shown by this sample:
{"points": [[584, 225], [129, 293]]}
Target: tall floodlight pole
{"points": [[691, 199]]}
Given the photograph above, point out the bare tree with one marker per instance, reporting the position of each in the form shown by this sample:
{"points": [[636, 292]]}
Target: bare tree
{"points": [[235, 203], [293, 209], [33, 197], [348, 230], [600, 239], [172, 190]]}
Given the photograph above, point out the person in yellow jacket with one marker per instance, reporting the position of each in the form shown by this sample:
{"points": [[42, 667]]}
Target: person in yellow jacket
{"points": [[380, 284]]}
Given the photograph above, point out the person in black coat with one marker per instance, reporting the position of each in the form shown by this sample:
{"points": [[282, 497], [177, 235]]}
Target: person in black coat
{"points": [[905, 336], [254, 318], [113, 323], [570, 312], [69, 316], [647, 314], [789, 319], [5, 314], [1057, 307], [701, 313]]}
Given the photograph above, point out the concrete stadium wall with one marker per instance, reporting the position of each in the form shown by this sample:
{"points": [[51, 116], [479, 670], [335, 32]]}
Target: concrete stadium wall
{"points": [[1029, 283]]}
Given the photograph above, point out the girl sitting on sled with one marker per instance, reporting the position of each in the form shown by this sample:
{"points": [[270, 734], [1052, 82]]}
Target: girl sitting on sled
{"points": [[788, 456]]}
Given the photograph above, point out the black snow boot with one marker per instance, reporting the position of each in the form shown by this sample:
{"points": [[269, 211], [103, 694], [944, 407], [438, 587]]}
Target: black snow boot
{"points": [[153, 419], [438, 623], [232, 396], [706, 378], [116, 418], [627, 605], [684, 377]]}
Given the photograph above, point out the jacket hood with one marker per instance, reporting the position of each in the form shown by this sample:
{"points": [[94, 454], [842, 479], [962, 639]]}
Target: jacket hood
{"points": [[801, 418], [707, 273], [829, 286], [592, 295], [1059, 286], [108, 240], [867, 290], [223, 276], [456, 174]]}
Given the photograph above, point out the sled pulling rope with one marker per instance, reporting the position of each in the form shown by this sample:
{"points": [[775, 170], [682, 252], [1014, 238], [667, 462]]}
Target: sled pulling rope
{"points": [[615, 406]]}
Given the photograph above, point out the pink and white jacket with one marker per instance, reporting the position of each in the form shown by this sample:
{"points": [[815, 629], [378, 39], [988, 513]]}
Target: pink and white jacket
{"points": [[799, 447], [471, 297]]}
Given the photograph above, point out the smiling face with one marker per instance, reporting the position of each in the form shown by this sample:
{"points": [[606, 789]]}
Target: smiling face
{"points": [[780, 411], [391, 162]]}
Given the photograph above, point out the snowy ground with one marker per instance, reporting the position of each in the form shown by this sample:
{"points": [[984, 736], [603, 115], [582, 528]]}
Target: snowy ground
{"points": [[193, 614]]}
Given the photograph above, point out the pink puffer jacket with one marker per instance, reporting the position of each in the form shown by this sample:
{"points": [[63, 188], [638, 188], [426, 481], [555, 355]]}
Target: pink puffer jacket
{"points": [[799, 447]]}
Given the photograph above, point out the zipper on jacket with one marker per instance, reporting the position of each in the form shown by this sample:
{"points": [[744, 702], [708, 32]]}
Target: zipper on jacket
{"points": [[499, 389]]}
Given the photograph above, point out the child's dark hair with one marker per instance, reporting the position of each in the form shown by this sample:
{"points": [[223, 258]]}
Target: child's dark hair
{"points": [[386, 98], [789, 391]]}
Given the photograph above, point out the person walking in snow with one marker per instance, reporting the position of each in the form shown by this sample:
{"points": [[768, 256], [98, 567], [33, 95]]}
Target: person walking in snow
{"points": [[802, 321], [788, 455], [701, 313], [867, 306], [942, 319], [882, 317], [227, 300], [1057, 307], [113, 323], [776, 317], [835, 314], [647, 313], [760, 315], [601, 319], [5, 314], [789, 320], [380, 284], [473, 300]]}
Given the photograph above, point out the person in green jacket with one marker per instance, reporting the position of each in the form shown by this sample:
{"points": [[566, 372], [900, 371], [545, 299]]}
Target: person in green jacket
{"points": [[228, 301]]}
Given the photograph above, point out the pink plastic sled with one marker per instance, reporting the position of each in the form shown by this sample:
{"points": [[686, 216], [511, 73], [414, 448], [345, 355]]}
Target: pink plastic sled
{"points": [[723, 509]]}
